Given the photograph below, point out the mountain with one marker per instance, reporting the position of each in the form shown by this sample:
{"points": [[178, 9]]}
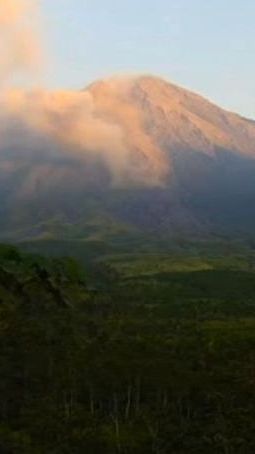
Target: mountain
{"points": [[133, 154]]}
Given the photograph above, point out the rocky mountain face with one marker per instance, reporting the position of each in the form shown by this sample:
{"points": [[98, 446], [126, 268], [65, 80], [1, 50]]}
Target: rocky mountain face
{"points": [[138, 150]]}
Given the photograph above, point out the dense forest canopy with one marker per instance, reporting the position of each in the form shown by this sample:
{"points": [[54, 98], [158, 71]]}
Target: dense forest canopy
{"points": [[163, 363]]}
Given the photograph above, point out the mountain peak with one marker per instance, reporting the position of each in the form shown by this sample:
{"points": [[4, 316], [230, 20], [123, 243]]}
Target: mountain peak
{"points": [[171, 115], [127, 83]]}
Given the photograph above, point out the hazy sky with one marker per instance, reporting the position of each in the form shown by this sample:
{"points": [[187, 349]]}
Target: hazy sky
{"points": [[205, 45]]}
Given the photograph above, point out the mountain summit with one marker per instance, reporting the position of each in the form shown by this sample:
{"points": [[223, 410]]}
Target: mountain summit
{"points": [[173, 118], [138, 150]]}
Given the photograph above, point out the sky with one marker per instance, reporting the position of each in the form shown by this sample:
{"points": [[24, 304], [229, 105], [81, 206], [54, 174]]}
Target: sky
{"points": [[205, 45]]}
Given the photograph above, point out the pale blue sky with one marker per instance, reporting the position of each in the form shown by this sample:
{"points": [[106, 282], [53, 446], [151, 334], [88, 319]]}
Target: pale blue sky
{"points": [[205, 45]]}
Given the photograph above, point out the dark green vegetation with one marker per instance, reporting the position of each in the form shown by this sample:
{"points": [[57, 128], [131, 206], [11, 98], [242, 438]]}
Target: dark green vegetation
{"points": [[151, 352]]}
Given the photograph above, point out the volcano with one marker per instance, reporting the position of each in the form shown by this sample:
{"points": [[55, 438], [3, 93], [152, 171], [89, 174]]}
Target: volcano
{"points": [[135, 151]]}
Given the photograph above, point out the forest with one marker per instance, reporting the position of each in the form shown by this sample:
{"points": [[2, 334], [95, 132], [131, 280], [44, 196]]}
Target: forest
{"points": [[133, 356]]}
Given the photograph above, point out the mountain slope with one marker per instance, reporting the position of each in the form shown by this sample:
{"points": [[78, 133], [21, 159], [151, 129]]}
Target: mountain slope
{"points": [[133, 150]]}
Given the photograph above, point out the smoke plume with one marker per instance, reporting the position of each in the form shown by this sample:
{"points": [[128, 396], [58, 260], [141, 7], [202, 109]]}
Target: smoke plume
{"points": [[41, 124], [20, 44]]}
